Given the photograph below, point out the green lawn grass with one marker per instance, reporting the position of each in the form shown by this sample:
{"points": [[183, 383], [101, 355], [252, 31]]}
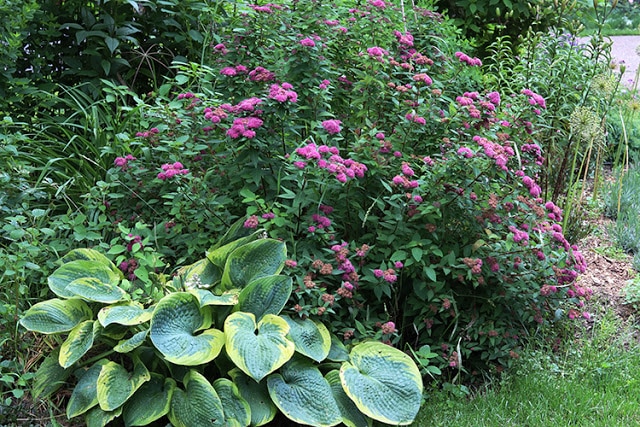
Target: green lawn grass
{"points": [[593, 381]]}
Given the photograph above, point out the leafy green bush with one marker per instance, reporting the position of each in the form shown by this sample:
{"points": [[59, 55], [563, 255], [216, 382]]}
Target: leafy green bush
{"points": [[222, 309]]}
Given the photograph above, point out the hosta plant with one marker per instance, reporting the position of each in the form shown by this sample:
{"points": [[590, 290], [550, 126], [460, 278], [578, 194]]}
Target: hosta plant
{"points": [[214, 349]]}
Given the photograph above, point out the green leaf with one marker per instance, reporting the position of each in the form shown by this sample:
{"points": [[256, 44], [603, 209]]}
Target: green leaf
{"points": [[237, 412], [303, 395], [150, 402], [258, 349], [78, 343], [351, 415], [260, 258], [130, 344], [93, 289], [383, 382], [49, 377], [89, 255], [199, 405], [416, 253], [201, 274], [85, 393], [266, 295], [55, 316], [111, 43], [68, 272], [256, 395], [311, 339], [96, 417], [338, 351], [174, 324], [129, 314], [235, 232], [206, 297], [116, 385]]}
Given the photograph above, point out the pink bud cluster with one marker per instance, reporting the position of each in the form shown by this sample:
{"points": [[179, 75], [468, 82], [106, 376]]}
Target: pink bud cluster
{"points": [[473, 62], [122, 162], [169, 170], [328, 158], [148, 134]]}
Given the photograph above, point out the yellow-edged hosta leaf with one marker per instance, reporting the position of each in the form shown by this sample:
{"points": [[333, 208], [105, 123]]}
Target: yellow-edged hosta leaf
{"points": [[206, 297], [263, 411], [95, 290], [260, 258], [128, 314], [237, 412], [67, 273], [78, 343], [85, 393], [130, 344], [116, 385], [258, 349], [311, 339], [49, 377], [351, 415], [197, 405], [266, 295], [150, 402], [55, 316], [96, 417]]}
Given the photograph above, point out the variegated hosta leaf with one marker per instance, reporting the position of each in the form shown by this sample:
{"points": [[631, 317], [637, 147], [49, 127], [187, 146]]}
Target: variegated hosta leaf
{"points": [[237, 412], [174, 324], [260, 258], [130, 344], [206, 297], [95, 290], [198, 405], [128, 314], [199, 275], [78, 343], [257, 349], [256, 395], [85, 393], [49, 377], [55, 316], [351, 415], [303, 395], [338, 351], [116, 385], [383, 382], [266, 295], [218, 254], [311, 339], [67, 273], [87, 254], [150, 402], [96, 417]]}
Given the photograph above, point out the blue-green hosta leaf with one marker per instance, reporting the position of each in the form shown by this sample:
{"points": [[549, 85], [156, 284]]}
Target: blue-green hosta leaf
{"points": [[260, 258], [266, 295], [87, 254], [235, 232], [311, 339], [383, 382], [257, 349], [351, 415], [206, 297], [85, 393], [150, 402], [174, 324], [198, 405], [96, 417], [338, 351], [129, 314], [218, 256], [256, 395], [201, 274], [237, 412], [55, 316], [49, 377], [130, 344], [95, 290], [303, 395], [116, 385], [71, 271], [79, 341]]}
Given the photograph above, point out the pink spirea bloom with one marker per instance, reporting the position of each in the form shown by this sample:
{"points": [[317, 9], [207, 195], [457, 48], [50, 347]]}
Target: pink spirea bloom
{"points": [[380, 4], [228, 71], [376, 51], [332, 126], [169, 170], [283, 93], [307, 42], [251, 222]]}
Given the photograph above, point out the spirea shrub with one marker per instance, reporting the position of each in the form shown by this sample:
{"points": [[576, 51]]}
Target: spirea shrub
{"points": [[406, 192]]}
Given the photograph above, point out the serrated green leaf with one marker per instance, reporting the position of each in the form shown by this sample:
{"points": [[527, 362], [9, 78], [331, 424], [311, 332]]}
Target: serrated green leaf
{"points": [[55, 316]]}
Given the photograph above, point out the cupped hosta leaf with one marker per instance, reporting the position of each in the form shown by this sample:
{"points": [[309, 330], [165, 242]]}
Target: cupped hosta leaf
{"points": [[93, 289], [257, 349], [303, 395], [174, 324], [71, 271], [338, 351], [266, 295], [311, 339], [235, 232], [351, 415], [383, 382], [49, 377], [201, 274], [79, 341], [256, 395], [130, 344], [237, 412], [55, 316], [85, 393], [116, 385], [128, 314], [218, 256], [150, 402], [206, 297], [86, 254], [198, 405], [96, 417], [260, 258]]}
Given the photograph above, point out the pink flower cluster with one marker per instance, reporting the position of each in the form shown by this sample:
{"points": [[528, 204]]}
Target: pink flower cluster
{"points": [[122, 162], [388, 275], [169, 170], [380, 4], [534, 98], [465, 152], [321, 222], [251, 222], [389, 328], [412, 117], [148, 134], [519, 236], [244, 126], [266, 8], [473, 62], [403, 180], [324, 84], [404, 39], [497, 152], [307, 42], [261, 74], [332, 126], [422, 77], [376, 52], [328, 158], [532, 186], [233, 71], [341, 251], [283, 93], [555, 213], [535, 150]]}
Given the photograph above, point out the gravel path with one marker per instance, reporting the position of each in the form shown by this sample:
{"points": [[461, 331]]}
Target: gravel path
{"points": [[623, 50]]}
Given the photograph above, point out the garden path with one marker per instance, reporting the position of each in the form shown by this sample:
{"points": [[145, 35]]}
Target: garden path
{"points": [[624, 50]]}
